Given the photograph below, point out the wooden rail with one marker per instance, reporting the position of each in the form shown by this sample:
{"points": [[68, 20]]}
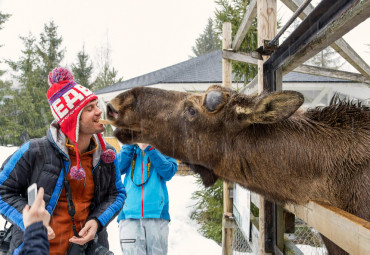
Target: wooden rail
{"points": [[348, 231]]}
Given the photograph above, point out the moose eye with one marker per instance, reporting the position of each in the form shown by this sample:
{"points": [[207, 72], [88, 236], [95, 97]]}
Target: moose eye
{"points": [[191, 111]]}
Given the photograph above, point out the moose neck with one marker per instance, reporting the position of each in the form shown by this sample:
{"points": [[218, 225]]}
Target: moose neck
{"points": [[287, 161]]}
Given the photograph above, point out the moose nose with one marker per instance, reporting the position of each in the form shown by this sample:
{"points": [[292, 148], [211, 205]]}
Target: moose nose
{"points": [[111, 112]]}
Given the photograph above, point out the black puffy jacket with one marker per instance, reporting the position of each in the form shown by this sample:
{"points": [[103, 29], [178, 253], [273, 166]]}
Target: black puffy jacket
{"points": [[41, 160]]}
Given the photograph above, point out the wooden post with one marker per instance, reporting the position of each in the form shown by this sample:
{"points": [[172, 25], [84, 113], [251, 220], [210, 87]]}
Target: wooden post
{"points": [[280, 227], [266, 29], [226, 63], [227, 230]]}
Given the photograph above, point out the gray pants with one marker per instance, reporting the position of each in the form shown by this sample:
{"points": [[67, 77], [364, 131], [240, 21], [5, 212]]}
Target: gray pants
{"points": [[144, 236]]}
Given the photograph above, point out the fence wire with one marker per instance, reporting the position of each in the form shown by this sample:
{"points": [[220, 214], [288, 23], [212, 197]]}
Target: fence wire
{"points": [[307, 239], [240, 245]]}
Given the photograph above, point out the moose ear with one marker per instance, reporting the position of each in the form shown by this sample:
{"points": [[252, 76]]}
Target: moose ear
{"points": [[274, 107]]}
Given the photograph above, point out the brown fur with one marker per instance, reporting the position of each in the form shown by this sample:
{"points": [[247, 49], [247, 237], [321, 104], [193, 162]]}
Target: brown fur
{"points": [[263, 143]]}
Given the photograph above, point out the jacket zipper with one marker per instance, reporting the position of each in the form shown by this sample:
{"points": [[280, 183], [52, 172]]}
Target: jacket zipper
{"points": [[142, 186]]}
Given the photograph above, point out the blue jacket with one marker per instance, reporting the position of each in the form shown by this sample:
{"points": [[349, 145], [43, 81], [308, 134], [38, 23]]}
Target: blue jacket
{"points": [[35, 240], [148, 200]]}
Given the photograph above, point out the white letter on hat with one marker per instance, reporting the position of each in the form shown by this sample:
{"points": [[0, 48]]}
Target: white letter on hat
{"points": [[59, 108], [71, 101], [83, 90]]}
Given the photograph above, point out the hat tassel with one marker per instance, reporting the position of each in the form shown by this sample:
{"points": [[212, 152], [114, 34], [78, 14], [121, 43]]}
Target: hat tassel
{"points": [[108, 156], [77, 172]]}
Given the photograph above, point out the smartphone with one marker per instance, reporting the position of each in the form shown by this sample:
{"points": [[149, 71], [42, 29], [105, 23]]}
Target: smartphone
{"points": [[32, 193]]}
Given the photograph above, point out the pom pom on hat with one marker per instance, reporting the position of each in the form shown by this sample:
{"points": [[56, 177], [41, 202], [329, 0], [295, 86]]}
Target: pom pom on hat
{"points": [[108, 156], [77, 173], [59, 74]]}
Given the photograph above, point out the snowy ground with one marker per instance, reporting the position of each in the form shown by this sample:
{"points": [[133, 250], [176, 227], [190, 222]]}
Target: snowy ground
{"points": [[184, 237]]}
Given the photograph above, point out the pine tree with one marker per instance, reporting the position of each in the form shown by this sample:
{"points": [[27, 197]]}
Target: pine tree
{"points": [[3, 19], [7, 95], [207, 42], [234, 12], [29, 100], [83, 69], [208, 209], [107, 77], [29, 109], [327, 58], [48, 49]]}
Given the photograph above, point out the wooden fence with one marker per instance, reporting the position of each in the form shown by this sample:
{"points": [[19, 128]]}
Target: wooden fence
{"points": [[349, 232]]}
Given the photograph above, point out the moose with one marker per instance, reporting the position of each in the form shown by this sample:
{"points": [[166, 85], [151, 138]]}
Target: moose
{"points": [[265, 143]]}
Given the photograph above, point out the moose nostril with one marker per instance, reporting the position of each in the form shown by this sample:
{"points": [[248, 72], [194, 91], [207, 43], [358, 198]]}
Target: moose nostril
{"points": [[111, 112]]}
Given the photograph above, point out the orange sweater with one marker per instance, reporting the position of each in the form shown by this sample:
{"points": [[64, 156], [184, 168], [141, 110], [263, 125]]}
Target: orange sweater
{"points": [[82, 194]]}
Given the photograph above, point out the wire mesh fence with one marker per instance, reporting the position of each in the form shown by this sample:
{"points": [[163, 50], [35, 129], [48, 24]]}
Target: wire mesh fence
{"points": [[240, 245], [307, 239]]}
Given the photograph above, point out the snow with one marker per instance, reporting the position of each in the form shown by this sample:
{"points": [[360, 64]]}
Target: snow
{"points": [[183, 236], [309, 250]]}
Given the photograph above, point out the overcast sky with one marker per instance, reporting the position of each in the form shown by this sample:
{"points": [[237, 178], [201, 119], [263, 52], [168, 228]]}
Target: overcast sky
{"points": [[143, 35]]}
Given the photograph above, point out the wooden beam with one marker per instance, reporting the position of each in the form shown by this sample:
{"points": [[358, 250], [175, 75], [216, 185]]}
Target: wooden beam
{"points": [[289, 220], [349, 232], [291, 248], [339, 27], [349, 54], [307, 69], [278, 79], [255, 199], [328, 72], [239, 56], [246, 23], [294, 4], [250, 88], [323, 92], [340, 45]]}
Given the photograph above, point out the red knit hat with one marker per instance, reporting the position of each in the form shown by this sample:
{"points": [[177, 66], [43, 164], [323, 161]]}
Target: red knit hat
{"points": [[67, 99]]}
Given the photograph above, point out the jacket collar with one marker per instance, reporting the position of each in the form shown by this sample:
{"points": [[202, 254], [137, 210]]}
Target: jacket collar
{"points": [[59, 139]]}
